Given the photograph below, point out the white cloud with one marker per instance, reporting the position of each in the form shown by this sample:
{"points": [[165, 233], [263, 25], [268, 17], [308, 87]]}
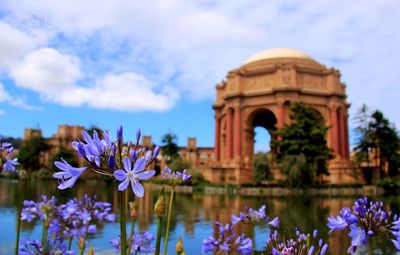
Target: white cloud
{"points": [[46, 70], [15, 43], [56, 77], [126, 92]]}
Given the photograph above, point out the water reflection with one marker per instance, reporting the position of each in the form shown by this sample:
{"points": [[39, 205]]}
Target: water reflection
{"points": [[192, 218]]}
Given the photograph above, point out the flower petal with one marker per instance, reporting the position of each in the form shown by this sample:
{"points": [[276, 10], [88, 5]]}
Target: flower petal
{"points": [[61, 175], [68, 183], [123, 185], [140, 164], [146, 175], [120, 175], [127, 164], [138, 189]]}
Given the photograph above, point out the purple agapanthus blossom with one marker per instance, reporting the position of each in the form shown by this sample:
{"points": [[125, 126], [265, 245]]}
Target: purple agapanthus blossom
{"points": [[34, 247], [76, 219], [365, 220], [174, 178], [301, 244], [79, 218], [44, 209], [141, 244], [6, 163], [126, 162], [133, 175], [251, 216], [225, 242], [69, 174]]}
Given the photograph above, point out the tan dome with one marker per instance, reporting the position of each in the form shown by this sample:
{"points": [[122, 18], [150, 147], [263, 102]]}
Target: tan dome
{"points": [[277, 53]]}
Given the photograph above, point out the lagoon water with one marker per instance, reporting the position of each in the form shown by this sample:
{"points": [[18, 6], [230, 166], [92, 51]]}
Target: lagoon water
{"points": [[193, 216]]}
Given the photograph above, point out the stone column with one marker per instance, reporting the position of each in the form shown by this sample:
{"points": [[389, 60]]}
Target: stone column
{"points": [[228, 142], [346, 137], [217, 138], [342, 135], [237, 137], [334, 131], [281, 115]]}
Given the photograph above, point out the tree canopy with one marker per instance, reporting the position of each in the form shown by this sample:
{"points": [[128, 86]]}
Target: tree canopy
{"points": [[304, 137], [169, 146], [30, 153]]}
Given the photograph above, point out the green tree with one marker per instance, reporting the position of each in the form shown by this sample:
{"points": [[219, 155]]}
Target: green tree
{"points": [[169, 146], [305, 136], [29, 154], [261, 167], [67, 154], [297, 170], [363, 135], [385, 141]]}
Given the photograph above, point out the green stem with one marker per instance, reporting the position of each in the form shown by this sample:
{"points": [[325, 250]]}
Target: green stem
{"points": [[122, 201], [158, 240], [168, 220], [19, 210], [69, 243], [131, 236], [44, 236]]}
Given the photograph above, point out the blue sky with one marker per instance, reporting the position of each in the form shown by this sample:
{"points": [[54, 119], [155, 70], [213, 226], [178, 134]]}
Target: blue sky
{"points": [[154, 65]]}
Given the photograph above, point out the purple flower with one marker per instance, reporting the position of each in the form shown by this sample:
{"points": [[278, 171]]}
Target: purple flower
{"points": [[279, 244], [358, 236], [337, 223], [251, 216], [10, 164], [7, 163], [69, 174], [274, 222], [174, 178], [140, 243], [225, 242], [133, 176], [365, 220]]}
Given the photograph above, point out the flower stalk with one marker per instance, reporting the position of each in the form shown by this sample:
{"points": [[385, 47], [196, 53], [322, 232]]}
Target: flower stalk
{"points": [[169, 219], [133, 214], [122, 200], [159, 210]]}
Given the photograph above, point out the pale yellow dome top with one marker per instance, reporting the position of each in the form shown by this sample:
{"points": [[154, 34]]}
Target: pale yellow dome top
{"points": [[277, 53]]}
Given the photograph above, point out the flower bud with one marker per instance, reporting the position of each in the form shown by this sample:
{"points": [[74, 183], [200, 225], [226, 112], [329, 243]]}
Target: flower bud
{"points": [[133, 155], [156, 151], [138, 135], [81, 150], [112, 163], [179, 247], [81, 243], [119, 135], [132, 210], [160, 206], [91, 250]]}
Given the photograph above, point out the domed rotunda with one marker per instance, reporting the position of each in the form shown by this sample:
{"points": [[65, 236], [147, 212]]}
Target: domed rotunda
{"points": [[259, 94]]}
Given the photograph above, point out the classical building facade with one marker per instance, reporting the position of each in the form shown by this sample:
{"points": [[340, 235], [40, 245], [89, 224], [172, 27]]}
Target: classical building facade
{"points": [[259, 94], [199, 157]]}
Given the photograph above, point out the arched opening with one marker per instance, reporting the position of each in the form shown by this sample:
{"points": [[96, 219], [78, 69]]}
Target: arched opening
{"points": [[261, 124]]}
